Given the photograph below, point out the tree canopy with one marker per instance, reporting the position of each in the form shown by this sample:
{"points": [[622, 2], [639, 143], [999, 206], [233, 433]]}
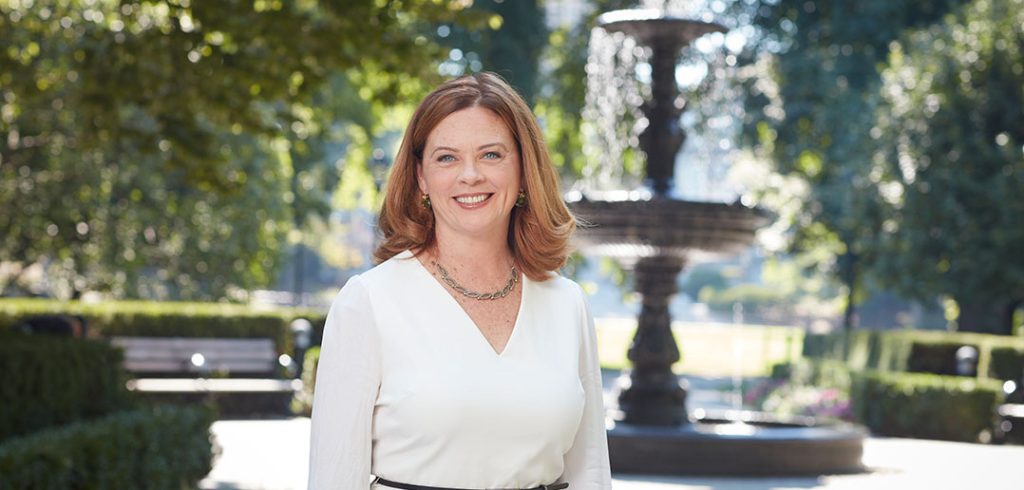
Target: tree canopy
{"points": [[845, 94], [159, 138], [951, 132]]}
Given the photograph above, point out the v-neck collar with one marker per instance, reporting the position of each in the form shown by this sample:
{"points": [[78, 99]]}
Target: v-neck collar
{"points": [[452, 302]]}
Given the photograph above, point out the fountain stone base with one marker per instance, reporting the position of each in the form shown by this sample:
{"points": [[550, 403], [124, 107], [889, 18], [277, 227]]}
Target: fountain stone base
{"points": [[719, 445]]}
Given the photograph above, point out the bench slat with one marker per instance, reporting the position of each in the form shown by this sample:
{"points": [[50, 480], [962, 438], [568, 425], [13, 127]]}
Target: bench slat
{"points": [[174, 354]]}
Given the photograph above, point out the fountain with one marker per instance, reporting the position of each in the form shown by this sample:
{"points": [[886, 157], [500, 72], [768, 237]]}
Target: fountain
{"points": [[656, 234]]}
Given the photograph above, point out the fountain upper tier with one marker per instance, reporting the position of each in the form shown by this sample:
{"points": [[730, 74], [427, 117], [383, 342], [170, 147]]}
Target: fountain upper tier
{"points": [[651, 27]]}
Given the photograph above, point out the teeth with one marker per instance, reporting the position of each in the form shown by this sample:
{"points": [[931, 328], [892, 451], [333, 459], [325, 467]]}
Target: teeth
{"points": [[471, 199]]}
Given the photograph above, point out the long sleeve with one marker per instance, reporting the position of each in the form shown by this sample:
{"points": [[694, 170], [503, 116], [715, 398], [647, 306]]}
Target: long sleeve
{"points": [[586, 463], [347, 381]]}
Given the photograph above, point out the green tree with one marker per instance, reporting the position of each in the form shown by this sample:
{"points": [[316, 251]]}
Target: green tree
{"points": [[136, 132], [811, 108], [951, 128], [511, 46]]}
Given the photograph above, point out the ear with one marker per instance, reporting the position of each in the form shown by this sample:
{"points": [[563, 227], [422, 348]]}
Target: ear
{"points": [[419, 177]]}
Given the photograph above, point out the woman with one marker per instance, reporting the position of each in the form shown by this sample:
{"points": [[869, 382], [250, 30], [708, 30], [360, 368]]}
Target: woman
{"points": [[462, 361]]}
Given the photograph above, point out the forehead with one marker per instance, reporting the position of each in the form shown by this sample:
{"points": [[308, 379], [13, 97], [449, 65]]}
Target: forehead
{"points": [[470, 127]]}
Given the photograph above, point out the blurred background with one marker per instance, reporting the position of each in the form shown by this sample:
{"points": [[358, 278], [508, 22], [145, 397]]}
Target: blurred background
{"points": [[212, 170]]}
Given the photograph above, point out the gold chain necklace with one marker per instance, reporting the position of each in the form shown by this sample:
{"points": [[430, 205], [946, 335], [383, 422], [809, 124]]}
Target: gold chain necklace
{"points": [[475, 295]]}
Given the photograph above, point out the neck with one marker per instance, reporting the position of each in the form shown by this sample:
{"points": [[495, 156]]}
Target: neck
{"points": [[487, 257]]}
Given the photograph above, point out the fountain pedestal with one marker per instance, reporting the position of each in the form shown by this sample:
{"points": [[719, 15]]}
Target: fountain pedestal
{"points": [[652, 394]]}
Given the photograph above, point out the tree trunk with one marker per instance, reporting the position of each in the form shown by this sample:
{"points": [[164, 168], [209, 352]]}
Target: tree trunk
{"points": [[995, 317], [848, 273]]}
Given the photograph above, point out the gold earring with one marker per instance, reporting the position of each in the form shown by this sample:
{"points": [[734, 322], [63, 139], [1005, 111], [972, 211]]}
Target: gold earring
{"points": [[425, 201], [521, 200]]}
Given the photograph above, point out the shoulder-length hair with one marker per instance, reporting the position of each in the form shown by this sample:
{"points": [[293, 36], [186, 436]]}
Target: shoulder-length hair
{"points": [[539, 231]]}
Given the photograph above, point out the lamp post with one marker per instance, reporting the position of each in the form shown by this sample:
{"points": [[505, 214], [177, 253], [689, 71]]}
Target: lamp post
{"points": [[379, 165], [301, 331]]}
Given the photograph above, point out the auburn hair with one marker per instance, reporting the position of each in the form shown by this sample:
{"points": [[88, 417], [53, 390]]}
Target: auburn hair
{"points": [[539, 231]]}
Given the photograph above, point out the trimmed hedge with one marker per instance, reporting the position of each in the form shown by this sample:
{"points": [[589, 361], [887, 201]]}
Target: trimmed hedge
{"points": [[911, 350], [169, 319], [926, 405], [1006, 363], [918, 405], [47, 381], [163, 448]]}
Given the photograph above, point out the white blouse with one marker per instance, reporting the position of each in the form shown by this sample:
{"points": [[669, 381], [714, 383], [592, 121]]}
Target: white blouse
{"points": [[408, 389]]}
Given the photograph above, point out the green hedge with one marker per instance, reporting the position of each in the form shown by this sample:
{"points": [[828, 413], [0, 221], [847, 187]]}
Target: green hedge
{"points": [[911, 350], [47, 381], [1007, 363], [162, 448], [169, 319], [926, 405], [918, 405]]}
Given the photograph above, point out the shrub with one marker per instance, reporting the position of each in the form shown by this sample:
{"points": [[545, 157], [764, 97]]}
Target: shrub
{"points": [[936, 356], [303, 403], [47, 381], [791, 400], [170, 319], [1006, 363], [907, 350], [925, 405], [162, 448], [821, 373]]}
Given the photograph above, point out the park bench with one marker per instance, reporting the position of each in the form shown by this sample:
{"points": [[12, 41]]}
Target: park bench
{"points": [[239, 375]]}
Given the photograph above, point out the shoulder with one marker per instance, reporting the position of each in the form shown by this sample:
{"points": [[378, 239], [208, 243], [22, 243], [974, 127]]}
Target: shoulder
{"points": [[561, 287], [384, 277], [388, 274]]}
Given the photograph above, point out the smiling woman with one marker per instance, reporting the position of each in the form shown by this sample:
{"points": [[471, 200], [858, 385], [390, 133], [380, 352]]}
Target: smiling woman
{"points": [[463, 360]]}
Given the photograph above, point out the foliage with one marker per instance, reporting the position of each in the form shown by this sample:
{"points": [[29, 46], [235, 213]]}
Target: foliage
{"points": [[900, 404], [510, 47], [813, 87], [951, 131], [909, 350], [165, 149], [48, 381], [703, 276], [303, 402], [790, 287], [161, 448], [926, 405], [822, 403], [563, 88], [170, 319], [1007, 363]]}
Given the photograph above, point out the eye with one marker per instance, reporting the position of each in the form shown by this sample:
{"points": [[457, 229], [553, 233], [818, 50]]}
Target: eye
{"points": [[492, 155], [446, 158]]}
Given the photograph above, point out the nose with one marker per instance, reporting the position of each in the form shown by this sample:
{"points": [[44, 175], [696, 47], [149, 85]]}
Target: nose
{"points": [[469, 173]]}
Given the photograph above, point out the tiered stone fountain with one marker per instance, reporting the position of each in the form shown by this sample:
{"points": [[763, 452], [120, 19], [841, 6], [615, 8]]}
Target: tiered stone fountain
{"points": [[656, 235]]}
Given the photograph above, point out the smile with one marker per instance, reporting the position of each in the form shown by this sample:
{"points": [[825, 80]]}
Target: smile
{"points": [[472, 199]]}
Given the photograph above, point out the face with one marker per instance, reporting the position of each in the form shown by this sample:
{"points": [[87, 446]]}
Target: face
{"points": [[471, 172]]}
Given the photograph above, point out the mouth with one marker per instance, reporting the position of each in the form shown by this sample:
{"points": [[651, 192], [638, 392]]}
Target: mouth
{"points": [[472, 200]]}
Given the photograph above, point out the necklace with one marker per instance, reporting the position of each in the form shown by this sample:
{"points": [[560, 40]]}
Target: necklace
{"points": [[475, 295]]}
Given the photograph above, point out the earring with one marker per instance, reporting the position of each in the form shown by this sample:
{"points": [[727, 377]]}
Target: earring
{"points": [[521, 200], [425, 201]]}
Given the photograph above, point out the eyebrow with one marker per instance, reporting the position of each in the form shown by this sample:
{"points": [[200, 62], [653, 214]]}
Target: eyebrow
{"points": [[481, 147]]}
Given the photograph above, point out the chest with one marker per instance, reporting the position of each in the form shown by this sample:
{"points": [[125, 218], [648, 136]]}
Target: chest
{"points": [[494, 319]]}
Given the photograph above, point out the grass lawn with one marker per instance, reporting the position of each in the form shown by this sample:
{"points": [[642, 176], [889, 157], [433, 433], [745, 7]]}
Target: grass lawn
{"points": [[708, 349]]}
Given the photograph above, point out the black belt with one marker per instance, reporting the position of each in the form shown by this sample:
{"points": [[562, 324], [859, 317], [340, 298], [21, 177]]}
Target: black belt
{"points": [[409, 486]]}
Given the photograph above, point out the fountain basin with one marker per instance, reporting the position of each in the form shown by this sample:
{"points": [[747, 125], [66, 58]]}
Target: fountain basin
{"points": [[738, 443], [662, 226], [649, 25]]}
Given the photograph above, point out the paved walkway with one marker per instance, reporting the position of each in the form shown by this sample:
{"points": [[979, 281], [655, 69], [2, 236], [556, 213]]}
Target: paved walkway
{"points": [[273, 455]]}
